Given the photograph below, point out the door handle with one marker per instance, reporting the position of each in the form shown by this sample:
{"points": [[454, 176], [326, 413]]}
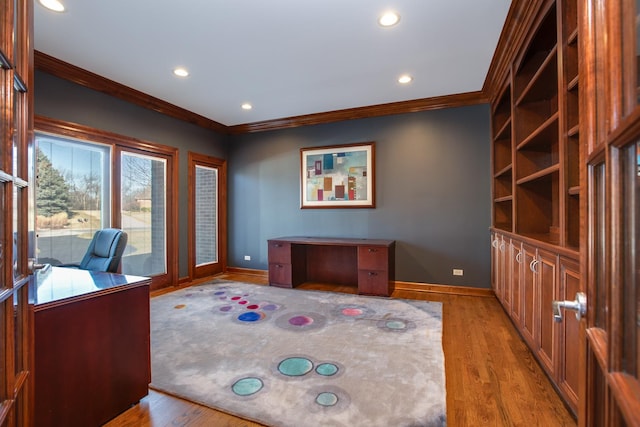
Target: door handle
{"points": [[32, 265], [579, 305]]}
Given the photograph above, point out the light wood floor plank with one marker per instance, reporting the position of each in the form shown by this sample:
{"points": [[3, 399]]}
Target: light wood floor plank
{"points": [[492, 377]]}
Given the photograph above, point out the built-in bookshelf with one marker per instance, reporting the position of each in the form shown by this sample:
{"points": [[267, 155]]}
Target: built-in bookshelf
{"points": [[536, 150]]}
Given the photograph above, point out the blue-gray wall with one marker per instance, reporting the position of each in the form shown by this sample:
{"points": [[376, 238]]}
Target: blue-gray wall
{"points": [[432, 180], [432, 192], [60, 99]]}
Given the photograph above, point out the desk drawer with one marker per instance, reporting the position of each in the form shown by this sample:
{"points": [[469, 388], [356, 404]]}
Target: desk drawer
{"points": [[280, 275], [372, 282], [279, 252], [373, 258]]}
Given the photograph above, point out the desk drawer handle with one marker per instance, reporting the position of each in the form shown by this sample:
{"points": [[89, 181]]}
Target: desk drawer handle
{"points": [[372, 273], [277, 245], [373, 250], [279, 265]]}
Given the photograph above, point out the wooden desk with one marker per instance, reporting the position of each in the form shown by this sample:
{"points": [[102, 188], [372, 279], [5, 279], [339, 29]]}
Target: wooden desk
{"points": [[368, 264], [91, 344]]}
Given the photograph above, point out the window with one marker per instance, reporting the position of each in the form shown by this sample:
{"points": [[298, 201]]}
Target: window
{"points": [[72, 196]]}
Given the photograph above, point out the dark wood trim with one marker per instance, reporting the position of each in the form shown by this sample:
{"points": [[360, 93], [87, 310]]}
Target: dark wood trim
{"points": [[77, 75], [399, 286], [434, 103], [516, 27], [196, 159], [121, 143]]}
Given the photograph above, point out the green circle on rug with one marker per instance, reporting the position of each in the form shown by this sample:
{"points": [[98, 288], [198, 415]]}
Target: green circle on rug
{"points": [[327, 399], [295, 366], [247, 386], [327, 369], [396, 324]]}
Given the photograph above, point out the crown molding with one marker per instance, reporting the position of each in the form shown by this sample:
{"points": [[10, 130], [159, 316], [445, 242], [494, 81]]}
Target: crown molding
{"points": [[434, 103], [520, 18], [77, 75], [80, 76]]}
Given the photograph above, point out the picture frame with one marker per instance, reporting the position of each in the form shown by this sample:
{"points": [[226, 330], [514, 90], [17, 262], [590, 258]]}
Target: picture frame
{"points": [[338, 176]]}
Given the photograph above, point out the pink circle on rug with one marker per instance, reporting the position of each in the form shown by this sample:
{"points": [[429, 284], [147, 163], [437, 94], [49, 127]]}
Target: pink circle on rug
{"points": [[235, 298], [352, 312], [243, 302], [301, 320], [253, 307]]}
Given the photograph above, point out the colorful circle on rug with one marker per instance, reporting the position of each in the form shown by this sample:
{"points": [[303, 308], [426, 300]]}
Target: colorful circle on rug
{"points": [[251, 316], [226, 308], [327, 399], [219, 293], [247, 386], [327, 369], [301, 321], [295, 366], [396, 325], [270, 306], [243, 302], [253, 307], [179, 306], [353, 311]]}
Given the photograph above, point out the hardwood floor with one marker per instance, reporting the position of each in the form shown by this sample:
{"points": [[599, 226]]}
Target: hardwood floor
{"points": [[492, 377]]}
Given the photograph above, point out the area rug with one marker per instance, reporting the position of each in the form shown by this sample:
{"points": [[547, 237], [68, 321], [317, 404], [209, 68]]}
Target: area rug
{"points": [[300, 358]]}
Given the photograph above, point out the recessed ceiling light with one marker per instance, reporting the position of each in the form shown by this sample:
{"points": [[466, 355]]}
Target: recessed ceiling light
{"points": [[54, 5], [180, 72], [389, 19], [247, 106], [404, 79]]}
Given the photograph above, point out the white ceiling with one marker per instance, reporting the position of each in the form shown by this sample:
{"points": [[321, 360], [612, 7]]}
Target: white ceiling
{"points": [[285, 57]]}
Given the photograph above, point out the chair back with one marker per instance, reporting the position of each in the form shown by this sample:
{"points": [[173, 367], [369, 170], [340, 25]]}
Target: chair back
{"points": [[105, 250]]}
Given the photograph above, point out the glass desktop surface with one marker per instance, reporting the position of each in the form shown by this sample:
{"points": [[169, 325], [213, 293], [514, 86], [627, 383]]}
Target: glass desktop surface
{"points": [[58, 283]]}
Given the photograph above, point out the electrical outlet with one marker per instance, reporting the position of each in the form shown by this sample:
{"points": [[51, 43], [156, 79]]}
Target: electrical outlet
{"points": [[458, 272], [247, 257]]}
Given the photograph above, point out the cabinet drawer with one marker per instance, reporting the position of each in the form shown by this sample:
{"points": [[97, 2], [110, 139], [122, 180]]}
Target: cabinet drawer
{"points": [[373, 282], [373, 258], [280, 275], [279, 252]]}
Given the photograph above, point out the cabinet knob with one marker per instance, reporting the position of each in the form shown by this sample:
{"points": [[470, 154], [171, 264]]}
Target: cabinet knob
{"points": [[372, 273], [373, 250], [533, 264]]}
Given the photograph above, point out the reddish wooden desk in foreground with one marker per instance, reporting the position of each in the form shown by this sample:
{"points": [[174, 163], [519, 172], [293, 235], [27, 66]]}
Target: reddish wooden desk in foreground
{"points": [[367, 263], [91, 344]]}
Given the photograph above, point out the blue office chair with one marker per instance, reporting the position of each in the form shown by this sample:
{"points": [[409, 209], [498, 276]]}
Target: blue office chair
{"points": [[104, 252]]}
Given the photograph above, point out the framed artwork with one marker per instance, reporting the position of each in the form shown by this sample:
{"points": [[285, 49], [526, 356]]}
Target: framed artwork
{"points": [[339, 176]]}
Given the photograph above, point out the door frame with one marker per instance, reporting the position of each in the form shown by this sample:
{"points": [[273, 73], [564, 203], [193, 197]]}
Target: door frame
{"points": [[196, 272]]}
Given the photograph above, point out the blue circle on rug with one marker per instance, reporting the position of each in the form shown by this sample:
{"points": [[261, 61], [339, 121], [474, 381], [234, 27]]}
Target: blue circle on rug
{"points": [[327, 369], [251, 316], [295, 366], [327, 399], [247, 386]]}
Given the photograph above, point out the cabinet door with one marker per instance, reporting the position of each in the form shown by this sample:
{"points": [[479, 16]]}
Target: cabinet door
{"points": [[569, 334], [516, 262], [529, 295], [546, 339], [498, 250]]}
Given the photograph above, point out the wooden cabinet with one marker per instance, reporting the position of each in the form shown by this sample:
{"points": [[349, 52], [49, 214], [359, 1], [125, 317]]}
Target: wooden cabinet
{"points": [[91, 344], [535, 133], [373, 270], [536, 200], [514, 266], [368, 264]]}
